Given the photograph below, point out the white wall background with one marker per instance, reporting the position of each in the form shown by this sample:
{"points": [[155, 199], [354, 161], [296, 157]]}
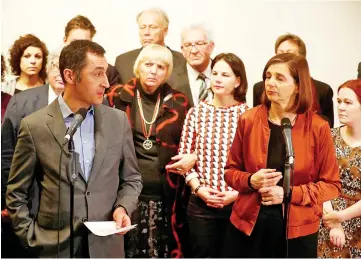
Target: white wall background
{"points": [[331, 30]]}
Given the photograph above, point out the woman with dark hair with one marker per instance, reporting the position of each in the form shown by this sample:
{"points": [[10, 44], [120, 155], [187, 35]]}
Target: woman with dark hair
{"points": [[207, 135], [256, 163], [340, 235], [28, 58], [156, 113]]}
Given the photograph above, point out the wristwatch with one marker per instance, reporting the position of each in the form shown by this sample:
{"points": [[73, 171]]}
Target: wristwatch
{"points": [[195, 191]]}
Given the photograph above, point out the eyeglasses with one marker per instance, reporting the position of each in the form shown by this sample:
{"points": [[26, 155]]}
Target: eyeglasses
{"points": [[197, 45]]}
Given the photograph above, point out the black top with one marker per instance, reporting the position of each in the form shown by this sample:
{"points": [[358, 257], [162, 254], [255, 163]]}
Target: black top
{"points": [[148, 160], [276, 159]]}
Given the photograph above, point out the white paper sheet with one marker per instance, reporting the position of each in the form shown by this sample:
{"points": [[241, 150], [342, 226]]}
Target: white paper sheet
{"points": [[105, 228]]}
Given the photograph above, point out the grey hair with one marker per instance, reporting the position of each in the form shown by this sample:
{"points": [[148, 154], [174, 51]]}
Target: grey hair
{"points": [[53, 58], [160, 12], [198, 26]]}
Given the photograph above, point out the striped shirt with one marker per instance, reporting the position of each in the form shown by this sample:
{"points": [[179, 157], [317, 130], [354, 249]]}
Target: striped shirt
{"points": [[209, 131]]}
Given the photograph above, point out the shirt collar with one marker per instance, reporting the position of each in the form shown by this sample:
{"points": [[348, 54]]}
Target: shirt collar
{"points": [[66, 111], [51, 95], [194, 73]]}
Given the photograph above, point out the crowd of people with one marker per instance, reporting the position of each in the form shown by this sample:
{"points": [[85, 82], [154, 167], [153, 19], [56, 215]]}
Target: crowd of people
{"points": [[169, 143]]}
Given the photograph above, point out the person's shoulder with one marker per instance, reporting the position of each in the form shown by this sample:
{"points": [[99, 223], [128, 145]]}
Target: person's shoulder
{"points": [[318, 123], [40, 116], [178, 97], [320, 84], [112, 112], [31, 92], [252, 112], [128, 54]]}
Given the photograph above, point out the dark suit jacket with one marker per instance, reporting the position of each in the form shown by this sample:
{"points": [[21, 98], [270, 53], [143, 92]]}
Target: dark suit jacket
{"points": [[359, 71], [114, 180], [178, 79], [324, 98], [21, 105], [113, 75]]}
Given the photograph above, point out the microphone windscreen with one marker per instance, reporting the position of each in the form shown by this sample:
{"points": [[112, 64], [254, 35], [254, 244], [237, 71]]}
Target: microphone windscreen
{"points": [[81, 112], [286, 123]]}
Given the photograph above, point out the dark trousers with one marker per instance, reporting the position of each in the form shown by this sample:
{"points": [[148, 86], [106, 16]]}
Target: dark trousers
{"points": [[267, 241], [207, 236]]}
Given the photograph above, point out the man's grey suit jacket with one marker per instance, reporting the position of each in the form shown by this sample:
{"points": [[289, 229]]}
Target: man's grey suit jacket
{"points": [[114, 180], [178, 80]]}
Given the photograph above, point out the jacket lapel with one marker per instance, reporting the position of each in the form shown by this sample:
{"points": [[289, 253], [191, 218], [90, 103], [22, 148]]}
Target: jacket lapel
{"points": [[56, 124]]}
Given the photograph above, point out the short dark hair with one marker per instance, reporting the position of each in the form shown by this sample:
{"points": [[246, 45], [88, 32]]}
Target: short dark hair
{"points": [[80, 22], [17, 51], [74, 56], [238, 69], [298, 68], [294, 39]]}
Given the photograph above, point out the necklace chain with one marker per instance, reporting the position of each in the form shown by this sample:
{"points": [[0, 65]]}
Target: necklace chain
{"points": [[144, 121], [292, 123]]}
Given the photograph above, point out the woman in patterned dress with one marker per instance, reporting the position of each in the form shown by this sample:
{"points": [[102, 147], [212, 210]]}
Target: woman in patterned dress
{"points": [[207, 135], [341, 234]]}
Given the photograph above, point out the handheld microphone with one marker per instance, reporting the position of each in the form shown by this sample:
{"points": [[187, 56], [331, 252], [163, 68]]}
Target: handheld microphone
{"points": [[287, 135], [78, 119]]}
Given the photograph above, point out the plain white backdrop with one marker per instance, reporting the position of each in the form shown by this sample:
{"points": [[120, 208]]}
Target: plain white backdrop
{"points": [[331, 30]]}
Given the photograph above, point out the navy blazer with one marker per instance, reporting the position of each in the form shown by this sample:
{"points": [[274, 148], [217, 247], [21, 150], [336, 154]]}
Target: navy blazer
{"points": [[20, 105]]}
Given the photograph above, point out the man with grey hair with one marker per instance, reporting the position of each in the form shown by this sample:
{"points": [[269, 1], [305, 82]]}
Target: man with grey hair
{"points": [[197, 46], [153, 28], [21, 105]]}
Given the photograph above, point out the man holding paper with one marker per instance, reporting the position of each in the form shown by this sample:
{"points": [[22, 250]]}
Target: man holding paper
{"points": [[108, 182]]}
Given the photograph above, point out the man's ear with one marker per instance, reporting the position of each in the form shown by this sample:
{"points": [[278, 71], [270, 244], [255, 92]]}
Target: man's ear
{"points": [[70, 76]]}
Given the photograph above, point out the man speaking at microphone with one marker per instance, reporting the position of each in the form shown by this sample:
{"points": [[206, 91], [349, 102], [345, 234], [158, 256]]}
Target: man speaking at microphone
{"points": [[108, 183]]}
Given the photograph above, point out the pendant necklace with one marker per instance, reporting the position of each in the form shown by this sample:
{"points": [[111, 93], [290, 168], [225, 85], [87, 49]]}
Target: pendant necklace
{"points": [[147, 143]]}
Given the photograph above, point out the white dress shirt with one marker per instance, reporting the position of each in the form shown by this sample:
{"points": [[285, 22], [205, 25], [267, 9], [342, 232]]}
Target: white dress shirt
{"points": [[196, 84]]}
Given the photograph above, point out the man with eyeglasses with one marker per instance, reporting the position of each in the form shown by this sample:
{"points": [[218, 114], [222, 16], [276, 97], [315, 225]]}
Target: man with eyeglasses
{"points": [[153, 28], [21, 105], [197, 47]]}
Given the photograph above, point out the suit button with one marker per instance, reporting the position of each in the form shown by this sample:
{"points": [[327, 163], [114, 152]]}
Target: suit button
{"points": [[88, 193], [84, 219]]}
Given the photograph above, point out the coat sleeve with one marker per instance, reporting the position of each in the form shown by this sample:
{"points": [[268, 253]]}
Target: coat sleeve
{"points": [[328, 185], [235, 175], [130, 185], [20, 181], [9, 131]]}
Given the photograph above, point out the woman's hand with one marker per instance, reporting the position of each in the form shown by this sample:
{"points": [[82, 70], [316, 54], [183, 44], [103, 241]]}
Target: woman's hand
{"points": [[271, 195], [265, 178], [185, 162], [332, 219], [227, 197], [337, 236], [209, 196]]}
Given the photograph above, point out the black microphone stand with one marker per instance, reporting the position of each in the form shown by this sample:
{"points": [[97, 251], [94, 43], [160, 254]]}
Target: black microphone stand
{"points": [[72, 176], [287, 198]]}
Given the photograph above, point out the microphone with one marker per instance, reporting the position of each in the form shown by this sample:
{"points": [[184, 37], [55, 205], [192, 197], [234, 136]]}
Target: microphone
{"points": [[287, 135], [78, 119]]}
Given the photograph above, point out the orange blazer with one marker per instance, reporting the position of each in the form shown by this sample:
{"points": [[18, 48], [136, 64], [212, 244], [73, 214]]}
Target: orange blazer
{"points": [[316, 174]]}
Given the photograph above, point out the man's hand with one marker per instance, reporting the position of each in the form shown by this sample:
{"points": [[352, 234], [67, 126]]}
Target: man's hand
{"points": [[185, 162], [265, 178], [121, 219], [271, 195]]}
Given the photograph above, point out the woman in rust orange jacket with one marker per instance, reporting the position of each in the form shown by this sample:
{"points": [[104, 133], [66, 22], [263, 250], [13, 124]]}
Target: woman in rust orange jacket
{"points": [[256, 164]]}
